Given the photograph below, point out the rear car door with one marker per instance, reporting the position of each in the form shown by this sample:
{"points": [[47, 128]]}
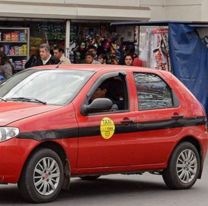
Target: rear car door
{"points": [[158, 110]]}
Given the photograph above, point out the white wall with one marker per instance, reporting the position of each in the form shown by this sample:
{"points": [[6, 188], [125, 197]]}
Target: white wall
{"points": [[185, 10], [182, 10], [106, 2], [204, 12], [179, 10], [81, 2], [157, 8], [75, 9]]}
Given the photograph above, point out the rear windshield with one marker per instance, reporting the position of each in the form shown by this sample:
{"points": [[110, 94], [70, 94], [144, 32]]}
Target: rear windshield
{"points": [[56, 87]]}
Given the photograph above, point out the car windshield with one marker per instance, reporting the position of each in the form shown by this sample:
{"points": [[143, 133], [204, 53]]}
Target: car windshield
{"points": [[56, 87]]}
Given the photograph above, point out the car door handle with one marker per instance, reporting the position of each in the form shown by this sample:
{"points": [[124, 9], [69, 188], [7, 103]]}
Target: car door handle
{"points": [[176, 117], [127, 121]]}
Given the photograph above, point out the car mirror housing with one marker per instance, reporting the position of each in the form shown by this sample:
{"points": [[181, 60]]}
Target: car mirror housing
{"points": [[97, 105]]}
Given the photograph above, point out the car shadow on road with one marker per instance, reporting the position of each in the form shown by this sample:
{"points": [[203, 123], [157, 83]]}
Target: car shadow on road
{"points": [[80, 189]]}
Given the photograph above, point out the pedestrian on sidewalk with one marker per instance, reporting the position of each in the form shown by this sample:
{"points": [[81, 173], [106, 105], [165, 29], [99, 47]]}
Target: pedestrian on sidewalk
{"points": [[45, 57], [59, 54], [128, 60], [6, 67], [89, 58]]}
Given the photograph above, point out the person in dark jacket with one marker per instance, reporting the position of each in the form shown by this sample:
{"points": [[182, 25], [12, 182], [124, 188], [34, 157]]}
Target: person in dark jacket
{"points": [[33, 61], [34, 58], [6, 67], [45, 57]]}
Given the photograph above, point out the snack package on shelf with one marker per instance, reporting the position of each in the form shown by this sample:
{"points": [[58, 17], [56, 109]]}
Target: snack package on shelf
{"points": [[6, 49], [7, 37], [24, 48], [23, 63], [12, 51], [16, 49], [15, 36], [22, 37], [18, 65], [21, 51]]}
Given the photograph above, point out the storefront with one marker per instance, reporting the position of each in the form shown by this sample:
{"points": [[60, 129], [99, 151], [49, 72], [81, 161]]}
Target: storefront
{"points": [[21, 38], [64, 23]]}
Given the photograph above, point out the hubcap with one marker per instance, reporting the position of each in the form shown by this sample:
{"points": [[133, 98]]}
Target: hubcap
{"points": [[46, 176], [186, 166]]}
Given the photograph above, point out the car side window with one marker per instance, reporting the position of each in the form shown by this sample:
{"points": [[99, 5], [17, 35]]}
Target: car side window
{"points": [[115, 89], [152, 92]]}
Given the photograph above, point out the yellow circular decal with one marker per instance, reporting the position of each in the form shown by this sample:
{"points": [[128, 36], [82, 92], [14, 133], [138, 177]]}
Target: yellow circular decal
{"points": [[107, 128]]}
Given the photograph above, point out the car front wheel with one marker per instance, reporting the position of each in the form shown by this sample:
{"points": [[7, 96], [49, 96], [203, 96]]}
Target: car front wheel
{"points": [[184, 167], [42, 178]]}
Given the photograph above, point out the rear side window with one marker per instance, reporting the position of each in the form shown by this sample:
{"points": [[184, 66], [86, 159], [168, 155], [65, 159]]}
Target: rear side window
{"points": [[152, 92]]}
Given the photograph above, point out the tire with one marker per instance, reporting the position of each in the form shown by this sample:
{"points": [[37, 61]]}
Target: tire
{"points": [[184, 167], [48, 187], [90, 178]]}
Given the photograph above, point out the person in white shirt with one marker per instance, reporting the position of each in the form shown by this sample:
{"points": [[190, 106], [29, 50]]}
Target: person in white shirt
{"points": [[59, 54]]}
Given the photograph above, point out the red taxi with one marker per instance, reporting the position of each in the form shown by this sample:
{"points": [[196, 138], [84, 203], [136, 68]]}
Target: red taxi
{"points": [[90, 120]]}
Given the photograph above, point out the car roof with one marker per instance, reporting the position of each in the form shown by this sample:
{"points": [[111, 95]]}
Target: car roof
{"points": [[99, 67]]}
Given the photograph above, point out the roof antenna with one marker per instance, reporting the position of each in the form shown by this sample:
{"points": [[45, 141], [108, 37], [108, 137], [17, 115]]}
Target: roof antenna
{"points": [[57, 66]]}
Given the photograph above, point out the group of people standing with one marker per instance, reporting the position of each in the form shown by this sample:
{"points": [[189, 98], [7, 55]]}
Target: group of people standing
{"points": [[129, 59], [94, 56], [46, 56]]}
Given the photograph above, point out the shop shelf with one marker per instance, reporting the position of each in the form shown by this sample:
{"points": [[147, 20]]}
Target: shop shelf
{"points": [[13, 42], [17, 55]]}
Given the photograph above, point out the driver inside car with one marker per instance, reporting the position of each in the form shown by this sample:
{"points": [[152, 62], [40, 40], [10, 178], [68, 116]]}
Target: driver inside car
{"points": [[101, 92]]}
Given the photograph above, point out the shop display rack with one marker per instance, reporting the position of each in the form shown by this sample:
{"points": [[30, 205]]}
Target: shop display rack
{"points": [[14, 42]]}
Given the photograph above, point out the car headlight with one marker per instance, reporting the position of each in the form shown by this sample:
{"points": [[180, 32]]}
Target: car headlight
{"points": [[7, 133]]}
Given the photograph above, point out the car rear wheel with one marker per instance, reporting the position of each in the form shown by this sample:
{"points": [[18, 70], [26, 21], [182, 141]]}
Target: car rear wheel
{"points": [[90, 178], [42, 178], [184, 167]]}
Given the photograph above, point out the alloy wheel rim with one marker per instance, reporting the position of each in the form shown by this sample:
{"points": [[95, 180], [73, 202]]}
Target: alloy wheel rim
{"points": [[46, 176], [186, 166]]}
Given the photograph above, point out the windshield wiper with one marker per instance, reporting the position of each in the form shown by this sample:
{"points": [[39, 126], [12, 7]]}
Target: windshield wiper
{"points": [[2, 99], [24, 99]]}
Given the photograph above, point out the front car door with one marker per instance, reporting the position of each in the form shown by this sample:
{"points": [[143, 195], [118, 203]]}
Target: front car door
{"points": [[104, 139]]}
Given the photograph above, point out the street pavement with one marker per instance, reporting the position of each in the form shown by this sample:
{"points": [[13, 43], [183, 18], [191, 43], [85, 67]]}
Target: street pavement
{"points": [[121, 190]]}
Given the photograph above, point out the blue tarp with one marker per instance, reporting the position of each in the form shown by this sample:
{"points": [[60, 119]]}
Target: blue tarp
{"points": [[189, 60]]}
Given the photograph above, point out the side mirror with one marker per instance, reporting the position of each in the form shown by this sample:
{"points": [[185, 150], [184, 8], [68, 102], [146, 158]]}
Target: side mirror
{"points": [[97, 105]]}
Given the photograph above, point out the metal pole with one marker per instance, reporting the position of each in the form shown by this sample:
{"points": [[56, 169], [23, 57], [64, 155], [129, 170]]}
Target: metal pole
{"points": [[67, 39]]}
